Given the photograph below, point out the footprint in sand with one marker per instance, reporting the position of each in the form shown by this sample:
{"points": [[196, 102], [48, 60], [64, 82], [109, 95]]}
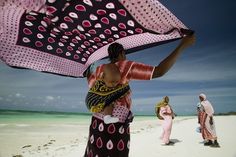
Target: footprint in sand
{"points": [[26, 146], [17, 156]]}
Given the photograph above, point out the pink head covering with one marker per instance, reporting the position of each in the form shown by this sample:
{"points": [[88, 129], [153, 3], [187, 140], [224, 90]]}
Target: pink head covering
{"points": [[203, 96]]}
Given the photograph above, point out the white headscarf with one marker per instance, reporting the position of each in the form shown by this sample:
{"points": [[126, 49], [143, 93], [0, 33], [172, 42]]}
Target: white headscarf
{"points": [[203, 96], [207, 105]]}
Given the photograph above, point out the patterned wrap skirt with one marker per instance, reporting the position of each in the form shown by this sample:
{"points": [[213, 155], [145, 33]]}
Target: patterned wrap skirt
{"points": [[208, 131], [109, 140]]}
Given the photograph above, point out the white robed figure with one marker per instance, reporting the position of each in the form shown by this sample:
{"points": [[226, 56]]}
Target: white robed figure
{"points": [[207, 123]]}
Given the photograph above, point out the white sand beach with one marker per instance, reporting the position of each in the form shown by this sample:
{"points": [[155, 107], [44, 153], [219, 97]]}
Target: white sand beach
{"points": [[68, 139]]}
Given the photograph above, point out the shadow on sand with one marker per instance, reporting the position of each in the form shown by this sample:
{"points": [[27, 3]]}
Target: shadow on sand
{"points": [[175, 140]]}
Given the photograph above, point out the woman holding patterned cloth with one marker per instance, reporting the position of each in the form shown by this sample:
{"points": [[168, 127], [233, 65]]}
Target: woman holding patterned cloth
{"points": [[207, 123], [114, 139]]}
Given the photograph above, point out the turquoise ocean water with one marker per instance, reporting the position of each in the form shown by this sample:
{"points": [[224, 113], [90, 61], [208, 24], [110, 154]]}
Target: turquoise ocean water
{"points": [[8, 117]]}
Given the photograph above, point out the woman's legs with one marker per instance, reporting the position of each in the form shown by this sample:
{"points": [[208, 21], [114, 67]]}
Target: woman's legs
{"points": [[167, 126]]}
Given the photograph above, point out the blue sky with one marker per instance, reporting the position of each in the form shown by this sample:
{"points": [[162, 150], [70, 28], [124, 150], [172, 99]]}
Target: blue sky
{"points": [[208, 66]]}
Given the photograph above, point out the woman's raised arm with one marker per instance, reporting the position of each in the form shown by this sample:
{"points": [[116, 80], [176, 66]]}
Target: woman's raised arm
{"points": [[169, 61]]}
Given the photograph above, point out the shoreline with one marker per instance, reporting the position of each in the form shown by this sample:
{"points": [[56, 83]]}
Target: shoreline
{"points": [[29, 112]]}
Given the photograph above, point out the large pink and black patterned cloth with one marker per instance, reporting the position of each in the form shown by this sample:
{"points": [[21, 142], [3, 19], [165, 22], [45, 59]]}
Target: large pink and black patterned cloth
{"points": [[65, 36]]}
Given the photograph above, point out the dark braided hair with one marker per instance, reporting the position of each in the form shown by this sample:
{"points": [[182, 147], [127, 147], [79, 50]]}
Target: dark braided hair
{"points": [[114, 50]]}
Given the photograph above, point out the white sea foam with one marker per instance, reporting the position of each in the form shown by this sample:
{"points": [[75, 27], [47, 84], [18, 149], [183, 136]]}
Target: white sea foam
{"points": [[65, 125], [2, 125], [22, 125]]}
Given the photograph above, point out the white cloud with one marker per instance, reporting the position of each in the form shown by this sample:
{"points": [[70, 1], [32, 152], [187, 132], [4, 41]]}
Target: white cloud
{"points": [[18, 95], [50, 98]]}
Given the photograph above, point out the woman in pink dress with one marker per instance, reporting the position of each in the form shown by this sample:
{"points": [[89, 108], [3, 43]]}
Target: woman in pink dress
{"points": [[114, 139], [166, 115]]}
